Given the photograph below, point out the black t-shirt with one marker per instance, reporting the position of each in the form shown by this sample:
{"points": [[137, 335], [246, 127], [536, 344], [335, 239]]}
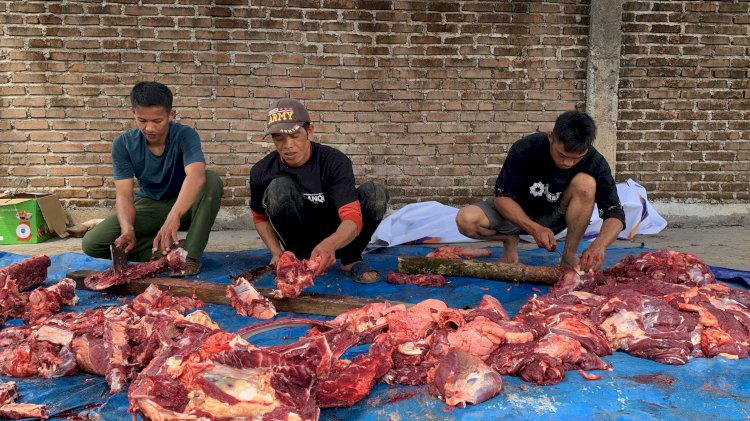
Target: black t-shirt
{"points": [[530, 177], [326, 180]]}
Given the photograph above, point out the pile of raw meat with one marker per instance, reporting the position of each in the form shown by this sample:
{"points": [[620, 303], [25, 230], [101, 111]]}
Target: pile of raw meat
{"points": [[662, 305]]}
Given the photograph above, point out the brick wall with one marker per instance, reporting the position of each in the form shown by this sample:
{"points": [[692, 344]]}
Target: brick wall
{"points": [[424, 96], [684, 99]]}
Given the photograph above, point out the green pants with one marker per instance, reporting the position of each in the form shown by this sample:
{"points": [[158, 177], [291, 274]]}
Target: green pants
{"points": [[150, 216]]}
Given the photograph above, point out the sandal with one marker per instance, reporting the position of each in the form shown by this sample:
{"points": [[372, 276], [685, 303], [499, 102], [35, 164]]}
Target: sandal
{"points": [[192, 267], [357, 271]]}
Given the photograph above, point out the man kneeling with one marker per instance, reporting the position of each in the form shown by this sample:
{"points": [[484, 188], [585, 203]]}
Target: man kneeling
{"points": [[303, 198], [550, 181], [176, 191]]}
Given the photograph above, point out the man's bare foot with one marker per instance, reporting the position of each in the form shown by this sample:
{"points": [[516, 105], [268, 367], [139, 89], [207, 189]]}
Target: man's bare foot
{"points": [[369, 276], [569, 260], [510, 249]]}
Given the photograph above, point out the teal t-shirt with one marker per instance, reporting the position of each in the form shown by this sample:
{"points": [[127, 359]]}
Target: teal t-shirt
{"points": [[159, 177]]}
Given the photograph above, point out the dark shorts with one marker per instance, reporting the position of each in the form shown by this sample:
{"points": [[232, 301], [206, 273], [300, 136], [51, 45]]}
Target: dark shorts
{"points": [[554, 221]]}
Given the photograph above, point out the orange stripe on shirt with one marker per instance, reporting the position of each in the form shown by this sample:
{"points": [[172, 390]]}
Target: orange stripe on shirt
{"points": [[259, 217], [352, 212]]}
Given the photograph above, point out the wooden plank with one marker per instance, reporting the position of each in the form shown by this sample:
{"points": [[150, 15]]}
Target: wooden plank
{"points": [[512, 272], [209, 292]]}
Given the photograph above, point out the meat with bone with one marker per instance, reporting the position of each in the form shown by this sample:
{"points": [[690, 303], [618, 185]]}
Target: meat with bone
{"points": [[18, 411], [293, 275], [44, 302], [9, 409], [247, 301], [175, 261], [423, 280], [27, 273], [447, 252], [8, 392], [35, 356], [461, 378], [220, 375], [113, 341]]}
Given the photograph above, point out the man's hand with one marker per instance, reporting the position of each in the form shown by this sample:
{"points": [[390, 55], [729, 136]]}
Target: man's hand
{"points": [[327, 252], [126, 241], [275, 259], [167, 235], [591, 259], [544, 238]]}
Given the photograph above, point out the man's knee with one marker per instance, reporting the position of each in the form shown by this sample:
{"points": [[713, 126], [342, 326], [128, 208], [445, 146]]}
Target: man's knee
{"points": [[91, 246], [374, 198], [214, 187], [467, 220], [583, 186], [281, 193]]}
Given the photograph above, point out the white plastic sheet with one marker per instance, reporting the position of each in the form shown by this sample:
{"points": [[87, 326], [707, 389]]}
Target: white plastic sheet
{"points": [[433, 222]]}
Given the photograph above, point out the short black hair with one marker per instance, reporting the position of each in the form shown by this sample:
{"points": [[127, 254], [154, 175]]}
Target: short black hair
{"points": [[576, 130], [151, 94]]}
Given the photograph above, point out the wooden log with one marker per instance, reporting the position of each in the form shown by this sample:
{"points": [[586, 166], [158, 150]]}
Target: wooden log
{"points": [[512, 272], [209, 292]]}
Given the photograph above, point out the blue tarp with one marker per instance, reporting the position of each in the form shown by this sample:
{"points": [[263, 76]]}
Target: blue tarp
{"points": [[636, 389]]}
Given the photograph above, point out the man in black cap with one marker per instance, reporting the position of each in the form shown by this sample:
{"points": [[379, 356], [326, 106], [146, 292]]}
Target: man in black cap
{"points": [[303, 198]]}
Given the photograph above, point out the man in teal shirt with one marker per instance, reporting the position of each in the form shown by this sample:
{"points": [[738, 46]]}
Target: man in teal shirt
{"points": [[176, 192]]}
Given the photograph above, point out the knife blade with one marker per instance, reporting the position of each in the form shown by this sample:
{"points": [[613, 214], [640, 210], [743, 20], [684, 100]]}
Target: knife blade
{"points": [[119, 258], [253, 275]]}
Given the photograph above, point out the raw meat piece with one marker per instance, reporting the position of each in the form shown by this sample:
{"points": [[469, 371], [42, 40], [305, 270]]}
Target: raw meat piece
{"points": [[423, 280], [581, 329], [44, 302], [8, 392], [175, 261], [544, 362], [153, 299], [362, 319], [489, 308], [27, 273], [247, 301], [589, 376], [293, 275], [646, 327], [447, 252], [462, 378], [12, 302], [481, 336], [665, 265], [17, 411], [350, 384], [91, 355]]}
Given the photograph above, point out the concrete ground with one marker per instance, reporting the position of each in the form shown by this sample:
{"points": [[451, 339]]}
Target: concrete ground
{"points": [[716, 243]]}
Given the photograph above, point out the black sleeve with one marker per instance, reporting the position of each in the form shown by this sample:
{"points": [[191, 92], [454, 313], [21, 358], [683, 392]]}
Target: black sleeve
{"points": [[339, 178], [510, 182], [607, 199], [256, 191]]}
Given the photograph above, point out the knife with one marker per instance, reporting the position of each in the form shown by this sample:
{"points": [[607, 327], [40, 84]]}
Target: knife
{"points": [[255, 274], [119, 258]]}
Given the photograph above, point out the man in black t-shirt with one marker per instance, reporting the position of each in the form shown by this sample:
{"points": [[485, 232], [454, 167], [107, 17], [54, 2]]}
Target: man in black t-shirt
{"points": [[550, 181], [303, 197]]}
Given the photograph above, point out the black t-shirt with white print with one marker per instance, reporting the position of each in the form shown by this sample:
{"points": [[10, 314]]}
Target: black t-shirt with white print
{"points": [[530, 177], [326, 180]]}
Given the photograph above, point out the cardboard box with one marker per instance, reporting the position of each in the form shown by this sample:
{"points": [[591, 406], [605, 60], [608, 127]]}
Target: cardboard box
{"points": [[28, 218]]}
